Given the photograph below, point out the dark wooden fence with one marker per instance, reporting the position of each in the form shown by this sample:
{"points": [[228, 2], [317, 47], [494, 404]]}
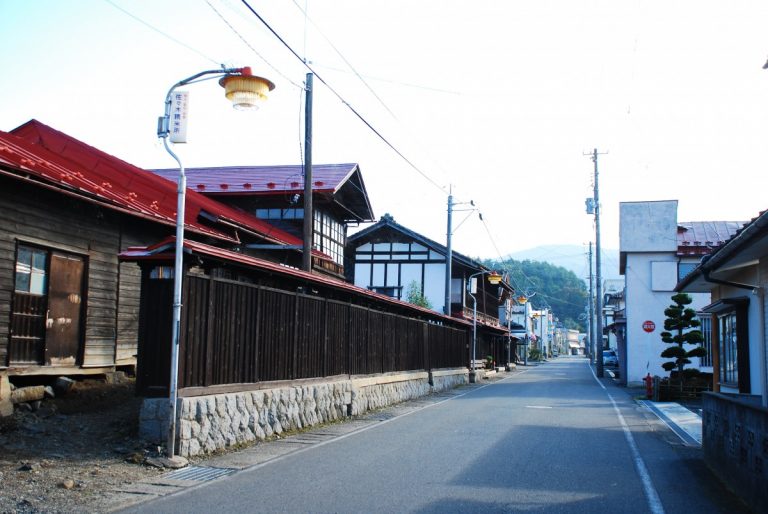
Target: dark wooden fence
{"points": [[241, 333]]}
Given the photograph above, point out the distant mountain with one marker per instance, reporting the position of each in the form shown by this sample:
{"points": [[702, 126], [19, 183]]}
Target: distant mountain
{"points": [[573, 258]]}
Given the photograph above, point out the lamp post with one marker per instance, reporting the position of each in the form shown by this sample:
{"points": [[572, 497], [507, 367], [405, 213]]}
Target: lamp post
{"points": [[494, 278], [523, 300], [245, 91]]}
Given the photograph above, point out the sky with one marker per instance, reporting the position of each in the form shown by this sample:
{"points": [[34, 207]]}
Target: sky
{"points": [[497, 101]]}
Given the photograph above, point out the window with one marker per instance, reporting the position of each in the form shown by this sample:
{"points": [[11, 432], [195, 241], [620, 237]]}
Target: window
{"points": [[291, 213], [706, 331], [31, 266], [330, 236], [684, 268], [392, 292], [730, 339], [729, 368]]}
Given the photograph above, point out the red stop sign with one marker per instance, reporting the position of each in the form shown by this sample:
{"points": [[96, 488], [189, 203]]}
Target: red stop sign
{"points": [[649, 326]]}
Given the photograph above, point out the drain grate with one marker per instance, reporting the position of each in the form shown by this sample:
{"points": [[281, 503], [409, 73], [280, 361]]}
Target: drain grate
{"points": [[199, 473]]}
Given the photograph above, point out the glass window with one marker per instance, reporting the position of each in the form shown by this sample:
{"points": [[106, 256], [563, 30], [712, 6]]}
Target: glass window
{"points": [[706, 331], [729, 369], [31, 265], [684, 268]]}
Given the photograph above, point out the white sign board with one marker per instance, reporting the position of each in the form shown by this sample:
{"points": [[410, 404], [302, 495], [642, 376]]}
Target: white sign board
{"points": [[179, 113]]}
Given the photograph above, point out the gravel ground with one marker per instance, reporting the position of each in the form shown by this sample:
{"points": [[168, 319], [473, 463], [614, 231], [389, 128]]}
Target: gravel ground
{"points": [[70, 454]]}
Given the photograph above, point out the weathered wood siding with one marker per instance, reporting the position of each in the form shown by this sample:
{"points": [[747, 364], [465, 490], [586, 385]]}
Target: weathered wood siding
{"points": [[53, 220], [234, 332]]}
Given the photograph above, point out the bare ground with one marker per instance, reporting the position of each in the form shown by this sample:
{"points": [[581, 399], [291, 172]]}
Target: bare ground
{"points": [[69, 454]]}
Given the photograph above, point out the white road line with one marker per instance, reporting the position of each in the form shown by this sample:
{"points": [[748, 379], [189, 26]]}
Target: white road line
{"points": [[654, 502]]}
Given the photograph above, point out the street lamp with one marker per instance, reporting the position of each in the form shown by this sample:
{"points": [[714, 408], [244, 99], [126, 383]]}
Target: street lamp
{"points": [[245, 91], [494, 278]]}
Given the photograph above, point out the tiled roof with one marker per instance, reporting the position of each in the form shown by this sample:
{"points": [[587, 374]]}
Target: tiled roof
{"points": [[700, 237], [37, 152], [263, 179]]}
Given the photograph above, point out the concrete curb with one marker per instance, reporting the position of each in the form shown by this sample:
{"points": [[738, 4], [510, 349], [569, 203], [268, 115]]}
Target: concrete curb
{"points": [[684, 423]]}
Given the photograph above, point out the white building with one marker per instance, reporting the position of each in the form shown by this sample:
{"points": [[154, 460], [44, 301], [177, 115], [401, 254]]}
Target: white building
{"points": [[655, 253]]}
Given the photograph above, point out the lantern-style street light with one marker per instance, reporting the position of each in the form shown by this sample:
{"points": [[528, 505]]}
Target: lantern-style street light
{"points": [[245, 91], [494, 278]]}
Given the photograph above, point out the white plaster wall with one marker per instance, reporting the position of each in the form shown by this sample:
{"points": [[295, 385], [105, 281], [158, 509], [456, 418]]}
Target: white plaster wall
{"points": [[648, 226], [643, 303]]}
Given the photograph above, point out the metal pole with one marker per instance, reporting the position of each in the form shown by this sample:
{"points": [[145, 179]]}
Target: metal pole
{"points": [[306, 257], [163, 131], [472, 374], [509, 336], [591, 307], [448, 257], [599, 278], [178, 275]]}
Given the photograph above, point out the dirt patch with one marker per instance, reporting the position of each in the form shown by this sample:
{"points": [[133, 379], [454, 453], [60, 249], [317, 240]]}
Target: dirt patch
{"points": [[70, 453]]}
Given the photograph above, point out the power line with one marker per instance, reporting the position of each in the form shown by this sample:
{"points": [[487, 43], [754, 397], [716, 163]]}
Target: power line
{"points": [[249, 45], [349, 64], [152, 27], [344, 102]]}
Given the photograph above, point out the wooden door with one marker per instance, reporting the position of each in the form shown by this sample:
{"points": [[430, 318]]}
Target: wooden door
{"points": [[65, 300]]}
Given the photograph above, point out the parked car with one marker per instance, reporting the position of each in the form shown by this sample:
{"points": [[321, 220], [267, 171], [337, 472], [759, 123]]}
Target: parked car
{"points": [[610, 358]]}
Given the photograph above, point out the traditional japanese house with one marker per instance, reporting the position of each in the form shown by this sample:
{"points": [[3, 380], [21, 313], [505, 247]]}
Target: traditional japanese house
{"points": [[274, 193], [67, 306], [391, 259]]}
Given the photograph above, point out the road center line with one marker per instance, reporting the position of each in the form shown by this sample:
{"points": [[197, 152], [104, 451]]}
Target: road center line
{"points": [[654, 502]]}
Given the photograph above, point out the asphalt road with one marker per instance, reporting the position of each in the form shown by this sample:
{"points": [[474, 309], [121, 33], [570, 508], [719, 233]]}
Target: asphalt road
{"points": [[548, 439]]}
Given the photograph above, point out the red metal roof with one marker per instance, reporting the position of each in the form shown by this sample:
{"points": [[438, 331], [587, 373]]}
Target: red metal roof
{"points": [[264, 180], [67, 164], [164, 251], [700, 237]]}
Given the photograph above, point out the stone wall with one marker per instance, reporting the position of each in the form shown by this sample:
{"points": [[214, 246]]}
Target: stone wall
{"points": [[735, 443], [216, 422]]}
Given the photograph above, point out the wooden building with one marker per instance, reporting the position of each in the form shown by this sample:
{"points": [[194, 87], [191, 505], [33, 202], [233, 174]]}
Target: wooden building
{"points": [[389, 258], [67, 305], [274, 193]]}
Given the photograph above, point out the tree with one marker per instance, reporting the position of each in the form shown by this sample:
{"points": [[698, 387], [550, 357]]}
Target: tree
{"points": [[677, 333], [415, 296], [555, 287]]}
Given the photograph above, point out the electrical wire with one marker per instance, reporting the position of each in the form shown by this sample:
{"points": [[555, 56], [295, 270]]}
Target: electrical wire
{"points": [[344, 102], [349, 64], [249, 45], [152, 27]]}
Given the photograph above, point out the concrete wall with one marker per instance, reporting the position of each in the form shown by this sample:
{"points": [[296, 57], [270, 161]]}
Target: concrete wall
{"points": [[215, 422], [735, 443], [648, 226], [648, 246]]}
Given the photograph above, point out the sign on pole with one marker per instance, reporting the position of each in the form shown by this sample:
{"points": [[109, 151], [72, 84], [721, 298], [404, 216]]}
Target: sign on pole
{"points": [[649, 326], [179, 114]]}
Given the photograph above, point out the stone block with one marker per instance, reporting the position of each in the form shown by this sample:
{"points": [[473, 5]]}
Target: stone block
{"points": [[6, 407]]}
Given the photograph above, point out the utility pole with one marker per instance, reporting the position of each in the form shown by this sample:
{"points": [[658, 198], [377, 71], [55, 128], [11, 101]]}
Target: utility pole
{"points": [[598, 273], [591, 307], [448, 256], [306, 258]]}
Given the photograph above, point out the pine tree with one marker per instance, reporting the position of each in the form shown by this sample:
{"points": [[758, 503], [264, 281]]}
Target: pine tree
{"points": [[677, 333]]}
